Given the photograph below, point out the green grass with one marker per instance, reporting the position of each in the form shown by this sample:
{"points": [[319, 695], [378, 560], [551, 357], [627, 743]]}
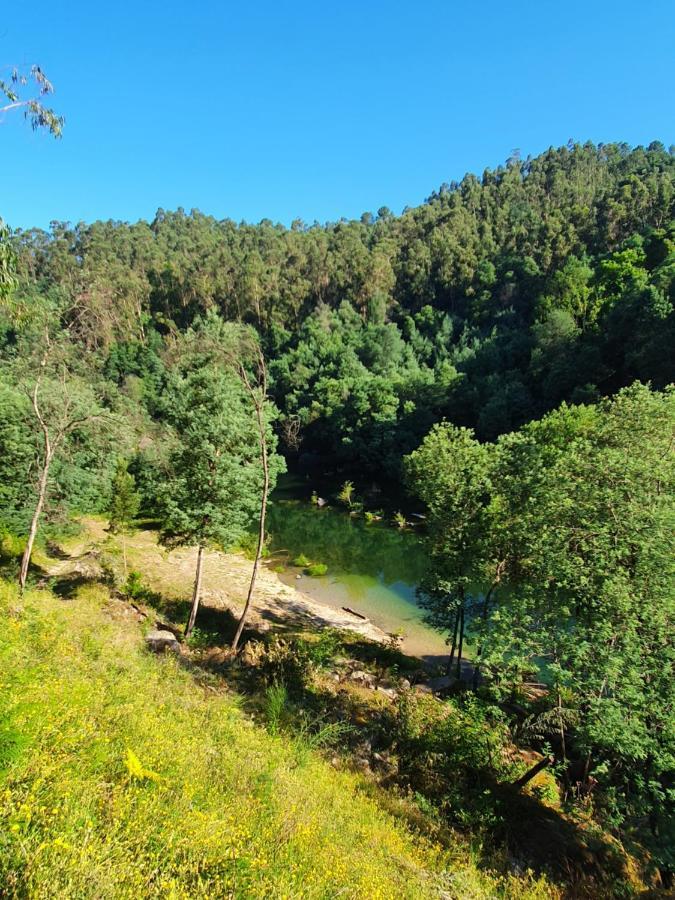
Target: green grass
{"points": [[123, 775]]}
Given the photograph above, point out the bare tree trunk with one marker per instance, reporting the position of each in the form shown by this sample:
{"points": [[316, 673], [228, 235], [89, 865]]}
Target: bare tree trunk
{"points": [[479, 652], [124, 555], [535, 770], [42, 486], [461, 639], [454, 643], [196, 593], [35, 521], [263, 512]]}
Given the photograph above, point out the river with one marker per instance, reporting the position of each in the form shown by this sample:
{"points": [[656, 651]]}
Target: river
{"points": [[372, 568]]}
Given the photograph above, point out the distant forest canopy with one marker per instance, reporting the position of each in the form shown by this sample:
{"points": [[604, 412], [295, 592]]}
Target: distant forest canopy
{"points": [[544, 280]]}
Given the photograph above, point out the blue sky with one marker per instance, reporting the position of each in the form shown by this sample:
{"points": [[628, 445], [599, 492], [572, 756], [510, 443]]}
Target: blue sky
{"points": [[317, 110]]}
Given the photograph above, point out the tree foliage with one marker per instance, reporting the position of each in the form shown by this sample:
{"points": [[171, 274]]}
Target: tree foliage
{"points": [[576, 510]]}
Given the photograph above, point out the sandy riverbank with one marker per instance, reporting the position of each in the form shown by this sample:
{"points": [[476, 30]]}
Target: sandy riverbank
{"points": [[225, 581]]}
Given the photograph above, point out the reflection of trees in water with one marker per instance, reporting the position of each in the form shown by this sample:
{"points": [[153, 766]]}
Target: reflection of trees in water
{"points": [[345, 543]]}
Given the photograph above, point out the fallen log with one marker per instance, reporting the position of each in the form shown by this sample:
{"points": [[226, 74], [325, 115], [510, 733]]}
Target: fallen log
{"points": [[353, 612], [535, 770]]}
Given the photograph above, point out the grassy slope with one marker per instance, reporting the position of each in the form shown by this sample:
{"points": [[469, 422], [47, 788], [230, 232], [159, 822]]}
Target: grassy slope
{"points": [[234, 811]]}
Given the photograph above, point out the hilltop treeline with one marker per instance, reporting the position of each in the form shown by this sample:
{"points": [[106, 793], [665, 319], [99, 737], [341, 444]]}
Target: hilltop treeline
{"points": [[543, 280]]}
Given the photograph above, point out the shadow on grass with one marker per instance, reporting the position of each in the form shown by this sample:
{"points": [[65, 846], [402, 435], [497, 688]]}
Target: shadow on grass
{"points": [[67, 586]]}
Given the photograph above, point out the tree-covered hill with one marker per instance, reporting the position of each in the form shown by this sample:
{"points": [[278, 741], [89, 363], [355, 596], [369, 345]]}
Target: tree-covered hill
{"points": [[543, 280]]}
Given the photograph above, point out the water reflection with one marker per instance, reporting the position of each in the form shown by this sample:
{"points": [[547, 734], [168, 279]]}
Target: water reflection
{"points": [[374, 569]]}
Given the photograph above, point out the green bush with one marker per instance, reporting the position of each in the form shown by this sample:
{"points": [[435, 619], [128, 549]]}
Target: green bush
{"points": [[11, 546], [453, 753], [316, 569], [287, 662], [201, 639], [322, 650], [134, 588], [301, 561]]}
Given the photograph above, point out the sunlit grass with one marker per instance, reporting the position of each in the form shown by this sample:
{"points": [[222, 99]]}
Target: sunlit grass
{"points": [[122, 775]]}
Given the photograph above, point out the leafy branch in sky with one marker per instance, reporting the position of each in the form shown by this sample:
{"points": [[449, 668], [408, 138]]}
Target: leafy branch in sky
{"points": [[26, 91]]}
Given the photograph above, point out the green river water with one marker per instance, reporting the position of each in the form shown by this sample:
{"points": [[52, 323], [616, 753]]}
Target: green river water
{"points": [[373, 569]]}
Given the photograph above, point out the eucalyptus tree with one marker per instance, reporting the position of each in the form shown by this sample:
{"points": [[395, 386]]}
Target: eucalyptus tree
{"points": [[224, 459], [62, 392], [64, 406]]}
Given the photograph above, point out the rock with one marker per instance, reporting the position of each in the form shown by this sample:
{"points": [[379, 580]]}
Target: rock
{"points": [[388, 692], [159, 641], [404, 684], [364, 678], [422, 689], [298, 577]]}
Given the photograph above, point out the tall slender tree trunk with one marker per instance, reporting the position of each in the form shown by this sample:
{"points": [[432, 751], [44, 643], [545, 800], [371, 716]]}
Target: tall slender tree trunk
{"points": [[454, 643], [50, 448], [479, 652], [261, 529], [35, 521], [124, 555], [461, 639], [196, 593]]}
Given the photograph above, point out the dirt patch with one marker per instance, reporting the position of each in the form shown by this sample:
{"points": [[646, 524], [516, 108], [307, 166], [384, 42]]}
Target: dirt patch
{"points": [[225, 582]]}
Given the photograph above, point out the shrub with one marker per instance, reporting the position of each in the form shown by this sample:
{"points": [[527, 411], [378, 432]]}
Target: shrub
{"points": [[322, 650], [286, 662], [134, 588], [301, 561], [316, 569], [453, 753], [11, 546], [201, 639]]}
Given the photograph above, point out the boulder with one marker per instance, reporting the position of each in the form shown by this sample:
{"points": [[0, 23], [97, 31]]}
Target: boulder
{"points": [[364, 678], [160, 640]]}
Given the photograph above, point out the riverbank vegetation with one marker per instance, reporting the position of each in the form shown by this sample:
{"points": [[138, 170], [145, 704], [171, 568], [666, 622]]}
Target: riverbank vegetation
{"points": [[504, 352]]}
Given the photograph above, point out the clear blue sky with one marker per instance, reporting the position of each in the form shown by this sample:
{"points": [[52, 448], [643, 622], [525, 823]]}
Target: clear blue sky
{"points": [[313, 109]]}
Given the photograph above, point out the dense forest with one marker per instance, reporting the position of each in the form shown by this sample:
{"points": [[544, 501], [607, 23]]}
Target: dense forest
{"points": [[502, 352], [545, 280]]}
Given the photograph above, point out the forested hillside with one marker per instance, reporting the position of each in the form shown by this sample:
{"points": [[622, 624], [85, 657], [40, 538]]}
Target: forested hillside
{"points": [[547, 279]]}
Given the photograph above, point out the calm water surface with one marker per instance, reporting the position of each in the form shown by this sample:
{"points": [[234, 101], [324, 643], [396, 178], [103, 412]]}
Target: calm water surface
{"points": [[374, 569]]}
